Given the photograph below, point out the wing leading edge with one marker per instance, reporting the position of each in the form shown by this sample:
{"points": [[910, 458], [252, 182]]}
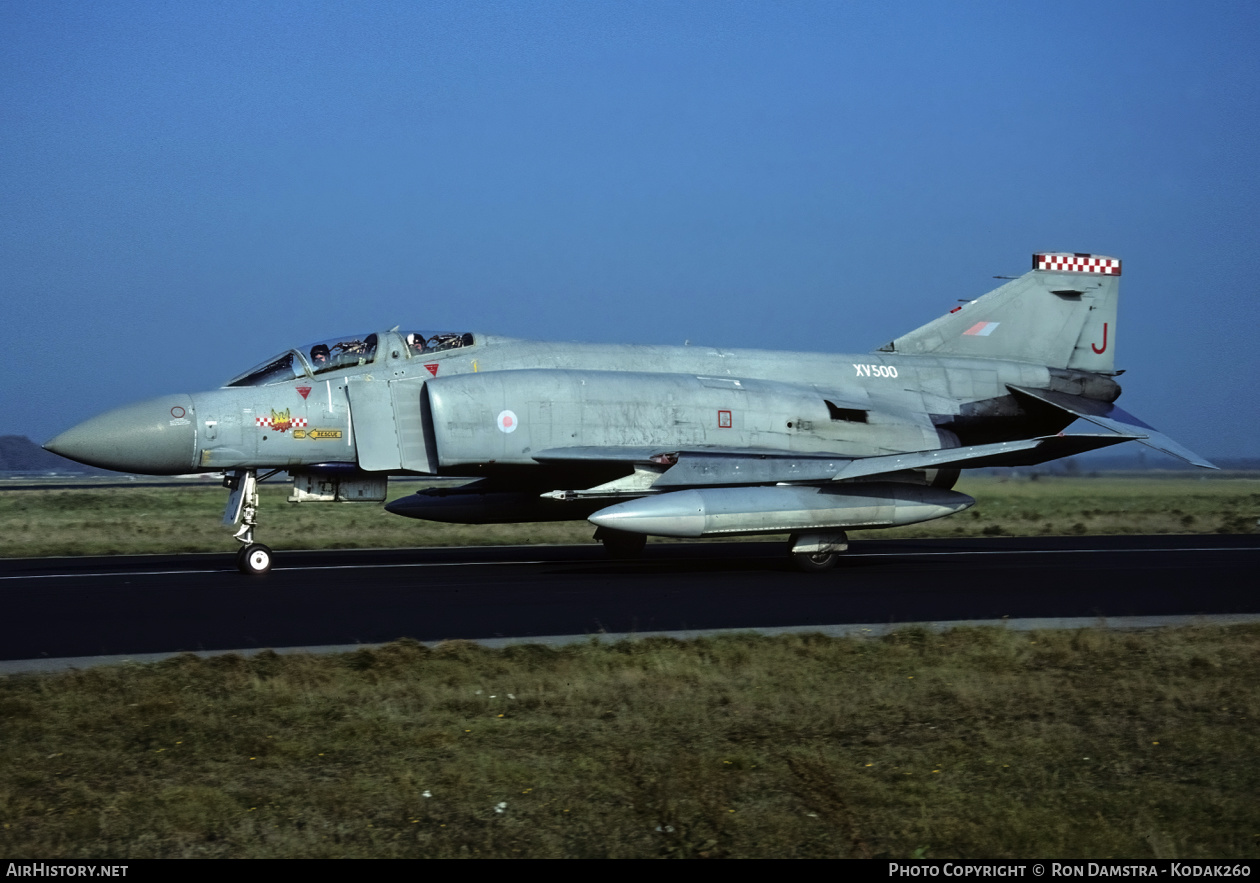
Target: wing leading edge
{"points": [[732, 466]]}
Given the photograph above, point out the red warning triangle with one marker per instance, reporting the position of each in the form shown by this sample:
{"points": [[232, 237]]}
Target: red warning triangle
{"points": [[304, 391], [432, 366]]}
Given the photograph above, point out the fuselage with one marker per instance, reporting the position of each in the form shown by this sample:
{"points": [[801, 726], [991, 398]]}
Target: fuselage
{"points": [[490, 404]]}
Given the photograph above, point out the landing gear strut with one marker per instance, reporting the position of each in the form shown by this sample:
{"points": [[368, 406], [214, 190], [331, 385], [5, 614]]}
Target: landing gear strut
{"points": [[621, 545], [252, 558]]}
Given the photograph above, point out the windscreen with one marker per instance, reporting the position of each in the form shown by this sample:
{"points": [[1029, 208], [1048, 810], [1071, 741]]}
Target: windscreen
{"points": [[278, 369], [317, 358]]}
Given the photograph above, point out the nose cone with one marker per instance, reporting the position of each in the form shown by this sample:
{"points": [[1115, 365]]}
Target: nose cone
{"points": [[155, 437]]}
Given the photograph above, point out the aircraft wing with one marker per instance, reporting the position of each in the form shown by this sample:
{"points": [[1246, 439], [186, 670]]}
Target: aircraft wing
{"points": [[751, 466], [1110, 417], [717, 466]]}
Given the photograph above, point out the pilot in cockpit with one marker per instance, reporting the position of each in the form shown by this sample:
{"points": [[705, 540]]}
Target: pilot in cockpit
{"points": [[447, 340], [416, 342], [319, 357]]}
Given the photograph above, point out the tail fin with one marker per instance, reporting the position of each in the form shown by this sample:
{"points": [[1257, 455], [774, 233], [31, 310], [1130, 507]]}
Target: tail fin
{"points": [[1062, 314]]}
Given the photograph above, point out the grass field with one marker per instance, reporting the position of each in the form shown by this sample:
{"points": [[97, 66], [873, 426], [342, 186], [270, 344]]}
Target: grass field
{"points": [[979, 743], [976, 743], [136, 520]]}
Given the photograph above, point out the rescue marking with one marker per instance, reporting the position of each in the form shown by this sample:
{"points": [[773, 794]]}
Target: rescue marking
{"points": [[507, 421], [982, 329], [432, 367], [724, 419], [1094, 346], [304, 391], [874, 370], [317, 434], [177, 412]]}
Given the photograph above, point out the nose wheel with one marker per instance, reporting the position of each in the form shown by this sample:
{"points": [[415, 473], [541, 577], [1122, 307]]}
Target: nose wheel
{"points": [[252, 558]]}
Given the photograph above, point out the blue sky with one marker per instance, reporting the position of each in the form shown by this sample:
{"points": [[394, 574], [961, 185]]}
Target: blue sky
{"points": [[191, 187]]}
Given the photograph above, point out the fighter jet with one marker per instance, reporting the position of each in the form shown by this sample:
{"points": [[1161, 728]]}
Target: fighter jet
{"points": [[645, 441]]}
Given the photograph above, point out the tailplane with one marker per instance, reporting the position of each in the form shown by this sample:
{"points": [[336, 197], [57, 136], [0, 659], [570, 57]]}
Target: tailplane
{"points": [[1062, 314]]}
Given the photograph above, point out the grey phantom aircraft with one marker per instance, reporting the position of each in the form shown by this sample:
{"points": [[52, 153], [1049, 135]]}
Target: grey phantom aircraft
{"points": [[652, 440]]}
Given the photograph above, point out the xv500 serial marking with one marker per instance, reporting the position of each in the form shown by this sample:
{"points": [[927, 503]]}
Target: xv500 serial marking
{"points": [[875, 370]]}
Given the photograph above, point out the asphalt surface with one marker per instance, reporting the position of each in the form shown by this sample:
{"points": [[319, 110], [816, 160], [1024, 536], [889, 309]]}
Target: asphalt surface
{"points": [[83, 607]]}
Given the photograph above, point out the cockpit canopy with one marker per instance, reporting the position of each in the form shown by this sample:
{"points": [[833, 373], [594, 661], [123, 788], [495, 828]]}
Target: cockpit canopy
{"points": [[337, 353]]}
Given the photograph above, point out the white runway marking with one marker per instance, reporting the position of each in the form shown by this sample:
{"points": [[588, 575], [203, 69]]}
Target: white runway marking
{"points": [[899, 555], [274, 569]]}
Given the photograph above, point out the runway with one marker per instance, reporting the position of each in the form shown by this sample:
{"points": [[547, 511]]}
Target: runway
{"points": [[126, 606]]}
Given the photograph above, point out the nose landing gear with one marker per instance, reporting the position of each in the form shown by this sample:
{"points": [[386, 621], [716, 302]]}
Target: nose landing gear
{"points": [[252, 558]]}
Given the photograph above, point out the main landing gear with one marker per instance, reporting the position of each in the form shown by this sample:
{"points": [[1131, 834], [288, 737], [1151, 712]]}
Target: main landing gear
{"points": [[252, 558], [816, 552]]}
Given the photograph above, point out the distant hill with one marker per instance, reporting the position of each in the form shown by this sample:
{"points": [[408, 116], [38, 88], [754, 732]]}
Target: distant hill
{"points": [[1239, 463], [1138, 460], [19, 454]]}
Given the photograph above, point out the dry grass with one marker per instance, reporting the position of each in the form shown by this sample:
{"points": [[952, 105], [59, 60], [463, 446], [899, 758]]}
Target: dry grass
{"points": [[137, 520], [1136, 504], [142, 520], [976, 743]]}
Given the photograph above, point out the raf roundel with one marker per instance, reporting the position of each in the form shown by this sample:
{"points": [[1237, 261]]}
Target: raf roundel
{"points": [[507, 421]]}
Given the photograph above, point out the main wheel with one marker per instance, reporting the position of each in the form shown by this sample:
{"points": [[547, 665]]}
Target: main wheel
{"points": [[254, 559], [814, 562]]}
